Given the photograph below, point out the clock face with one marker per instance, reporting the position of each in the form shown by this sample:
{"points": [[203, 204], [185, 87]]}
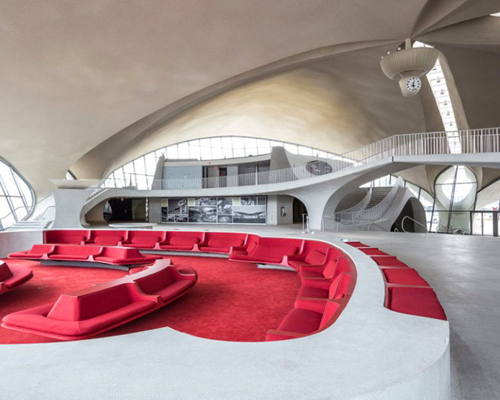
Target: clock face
{"points": [[413, 84]]}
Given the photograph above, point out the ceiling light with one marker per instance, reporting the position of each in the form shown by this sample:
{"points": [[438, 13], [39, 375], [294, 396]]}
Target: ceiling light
{"points": [[495, 15]]}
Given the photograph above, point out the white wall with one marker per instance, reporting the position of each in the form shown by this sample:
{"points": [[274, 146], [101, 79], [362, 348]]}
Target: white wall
{"points": [[11, 242]]}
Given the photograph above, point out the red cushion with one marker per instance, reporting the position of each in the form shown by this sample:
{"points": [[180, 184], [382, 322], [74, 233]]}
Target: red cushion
{"points": [[28, 319], [175, 289], [313, 292], [78, 308], [389, 261], [5, 272], [416, 301], [315, 257], [184, 240], [405, 276], [373, 251], [71, 239], [154, 282], [108, 240], [146, 240], [19, 276], [301, 321], [356, 244]]}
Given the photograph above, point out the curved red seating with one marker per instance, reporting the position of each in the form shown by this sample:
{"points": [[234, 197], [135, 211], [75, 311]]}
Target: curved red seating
{"points": [[313, 253], [89, 254], [406, 291], [94, 310], [66, 236], [372, 251], [12, 276], [326, 274], [121, 256], [144, 239], [389, 261], [304, 320], [222, 242], [418, 301], [267, 250], [405, 276], [180, 240], [106, 238]]}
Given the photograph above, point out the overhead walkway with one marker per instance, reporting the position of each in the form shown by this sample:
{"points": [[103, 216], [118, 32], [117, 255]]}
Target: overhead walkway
{"points": [[479, 147]]}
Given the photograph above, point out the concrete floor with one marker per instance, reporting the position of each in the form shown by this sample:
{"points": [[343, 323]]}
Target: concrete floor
{"points": [[465, 273]]}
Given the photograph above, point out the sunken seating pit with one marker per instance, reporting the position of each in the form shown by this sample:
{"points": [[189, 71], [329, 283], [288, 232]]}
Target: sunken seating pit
{"points": [[97, 309], [12, 276]]}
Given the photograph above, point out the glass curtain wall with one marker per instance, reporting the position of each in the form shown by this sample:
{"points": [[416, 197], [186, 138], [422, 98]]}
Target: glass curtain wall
{"points": [[16, 196], [140, 172], [455, 190]]}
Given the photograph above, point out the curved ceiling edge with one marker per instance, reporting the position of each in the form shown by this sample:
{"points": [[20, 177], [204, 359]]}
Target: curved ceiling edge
{"points": [[97, 162]]}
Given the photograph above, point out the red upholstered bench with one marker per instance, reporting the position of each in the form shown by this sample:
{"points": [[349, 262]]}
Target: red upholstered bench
{"points": [[404, 276], [82, 315], [313, 253], [36, 252], [372, 251], [303, 321], [337, 290], [269, 251], [324, 279], [12, 276], [94, 310], [124, 256], [144, 239], [168, 283], [90, 254], [181, 240], [107, 238], [69, 252], [422, 302], [222, 242], [66, 236], [389, 261]]}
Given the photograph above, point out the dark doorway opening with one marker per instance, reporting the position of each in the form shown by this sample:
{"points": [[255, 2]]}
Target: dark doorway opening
{"points": [[298, 209]]}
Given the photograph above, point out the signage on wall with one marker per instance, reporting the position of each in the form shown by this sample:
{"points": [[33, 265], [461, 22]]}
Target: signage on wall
{"points": [[318, 167], [215, 210]]}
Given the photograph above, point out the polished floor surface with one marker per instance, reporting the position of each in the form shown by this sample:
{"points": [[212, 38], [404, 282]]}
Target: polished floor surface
{"points": [[465, 273]]}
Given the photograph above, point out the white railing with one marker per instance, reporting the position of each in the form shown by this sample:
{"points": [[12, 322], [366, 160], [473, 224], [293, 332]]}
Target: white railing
{"points": [[18, 214], [47, 217], [365, 216], [415, 144], [353, 214], [375, 213]]}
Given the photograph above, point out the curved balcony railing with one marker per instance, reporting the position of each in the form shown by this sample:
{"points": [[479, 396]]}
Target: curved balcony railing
{"points": [[415, 144]]}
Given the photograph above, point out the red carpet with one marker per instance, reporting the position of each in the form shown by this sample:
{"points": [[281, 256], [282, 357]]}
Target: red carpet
{"points": [[232, 300]]}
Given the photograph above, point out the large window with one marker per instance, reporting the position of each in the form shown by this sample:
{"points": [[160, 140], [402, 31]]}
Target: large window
{"points": [[140, 172], [16, 196]]}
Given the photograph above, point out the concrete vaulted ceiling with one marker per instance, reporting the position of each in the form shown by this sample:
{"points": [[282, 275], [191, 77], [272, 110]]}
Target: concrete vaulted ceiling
{"points": [[84, 83]]}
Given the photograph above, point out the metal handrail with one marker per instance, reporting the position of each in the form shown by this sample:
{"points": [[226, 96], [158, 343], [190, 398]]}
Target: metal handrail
{"points": [[14, 214], [486, 140], [414, 220], [355, 211]]}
